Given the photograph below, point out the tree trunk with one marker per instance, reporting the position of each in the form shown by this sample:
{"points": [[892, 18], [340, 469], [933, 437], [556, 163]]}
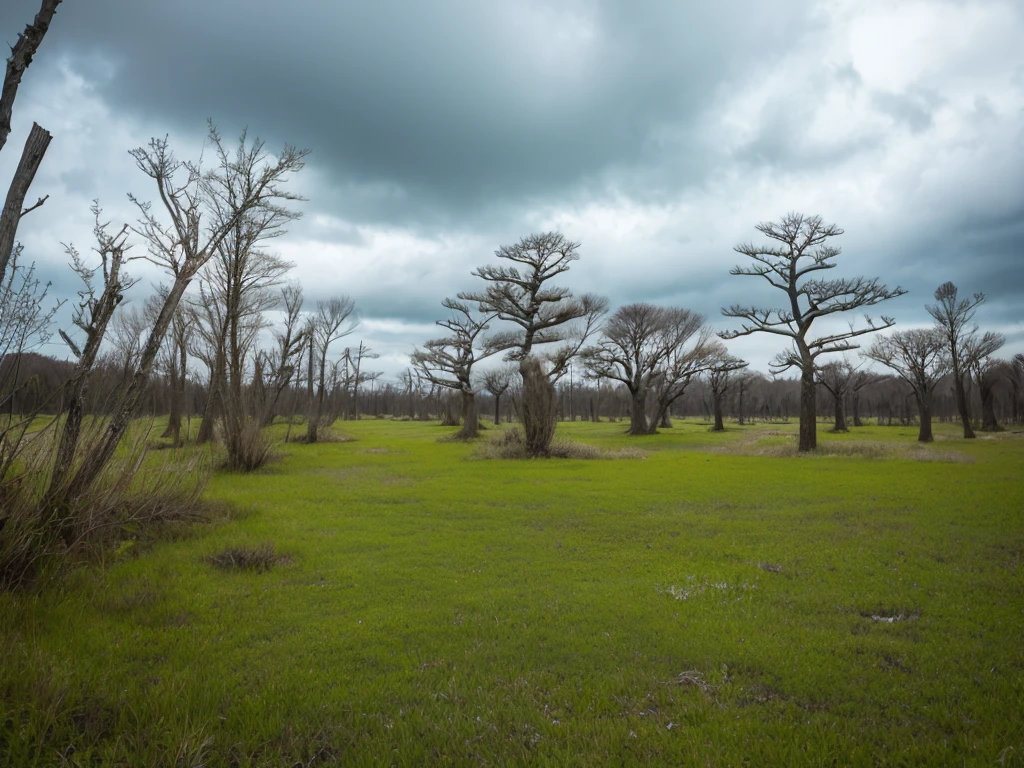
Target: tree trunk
{"points": [[638, 412], [497, 409], [31, 157], [961, 403], [840, 413], [924, 409], [213, 402], [855, 406], [719, 423], [470, 425], [989, 423], [808, 410], [539, 407], [740, 404]]}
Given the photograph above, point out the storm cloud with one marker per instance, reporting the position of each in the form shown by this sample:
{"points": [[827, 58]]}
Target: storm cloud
{"points": [[657, 134]]}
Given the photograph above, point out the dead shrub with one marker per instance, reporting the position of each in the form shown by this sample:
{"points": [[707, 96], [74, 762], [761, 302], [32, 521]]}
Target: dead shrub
{"points": [[249, 449], [137, 496], [259, 559]]}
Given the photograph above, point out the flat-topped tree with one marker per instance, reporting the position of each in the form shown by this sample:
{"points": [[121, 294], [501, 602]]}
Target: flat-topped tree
{"points": [[918, 357], [448, 362], [545, 316], [803, 249]]}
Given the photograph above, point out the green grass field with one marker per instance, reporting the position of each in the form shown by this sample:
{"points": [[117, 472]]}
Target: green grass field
{"points": [[715, 603]]}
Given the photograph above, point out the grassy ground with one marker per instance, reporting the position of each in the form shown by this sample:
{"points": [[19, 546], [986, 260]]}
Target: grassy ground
{"points": [[715, 603]]}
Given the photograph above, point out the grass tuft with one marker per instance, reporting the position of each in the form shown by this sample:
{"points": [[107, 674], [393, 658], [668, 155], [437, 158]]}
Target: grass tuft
{"points": [[259, 559]]}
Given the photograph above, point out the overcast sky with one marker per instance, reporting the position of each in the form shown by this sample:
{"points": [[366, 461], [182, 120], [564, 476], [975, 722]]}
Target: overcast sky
{"points": [[657, 134]]}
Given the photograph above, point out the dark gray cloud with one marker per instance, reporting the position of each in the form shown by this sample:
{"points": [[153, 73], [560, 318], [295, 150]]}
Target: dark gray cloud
{"points": [[656, 133]]}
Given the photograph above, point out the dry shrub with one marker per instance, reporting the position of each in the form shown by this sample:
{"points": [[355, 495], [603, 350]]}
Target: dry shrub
{"points": [[138, 495], [259, 559], [510, 444], [250, 449], [323, 436]]}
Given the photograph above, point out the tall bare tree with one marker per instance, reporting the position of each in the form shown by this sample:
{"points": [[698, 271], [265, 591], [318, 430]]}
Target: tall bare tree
{"points": [[552, 325], [986, 372], [919, 358], [954, 318], [448, 361], [283, 361], [202, 213], [803, 250], [103, 288], [334, 320]]}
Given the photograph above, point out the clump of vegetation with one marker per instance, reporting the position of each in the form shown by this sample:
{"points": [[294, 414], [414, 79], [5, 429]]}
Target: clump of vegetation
{"points": [[252, 449], [259, 559], [136, 494], [323, 436], [867, 450], [510, 444]]}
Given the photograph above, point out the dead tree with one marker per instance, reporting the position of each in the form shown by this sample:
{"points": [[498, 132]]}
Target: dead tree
{"points": [[334, 320], [919, 358], [547, 318], [358, 375], [202, 213], [954, 318], [986, 372], [838, 378], [38, 138], [719, 379], [448, 361], [642, 347], [98, 301], [804, 250], [497, 382], [286, 357]]}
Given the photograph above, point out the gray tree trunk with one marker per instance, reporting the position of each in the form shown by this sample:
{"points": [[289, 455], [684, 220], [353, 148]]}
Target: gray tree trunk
{"points": [[808, 410]]}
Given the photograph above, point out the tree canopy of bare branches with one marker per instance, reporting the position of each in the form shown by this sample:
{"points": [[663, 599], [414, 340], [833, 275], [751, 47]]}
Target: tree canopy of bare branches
{"points": [[648, 349], [201, 207], [803, 250], [919, 358], [954, 318], [448, 361]]}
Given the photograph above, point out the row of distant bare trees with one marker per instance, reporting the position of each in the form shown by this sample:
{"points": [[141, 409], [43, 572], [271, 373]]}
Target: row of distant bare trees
{"points": [[655, 353]]}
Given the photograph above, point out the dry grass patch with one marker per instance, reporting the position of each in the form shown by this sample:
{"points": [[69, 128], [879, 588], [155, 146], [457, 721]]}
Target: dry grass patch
{"points": [[323, 436], [260, 559]]}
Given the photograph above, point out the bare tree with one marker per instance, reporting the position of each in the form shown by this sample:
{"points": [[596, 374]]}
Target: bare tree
{"points": [[334, 319], [358, 375], [838, 377], [449, 360], [202, 214], [93, 314], [804, 250], [919, 358], [986, 372], [546, 316], [719, 378], [286, 357], [497, 381], [645, 348], [954, 317]]}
